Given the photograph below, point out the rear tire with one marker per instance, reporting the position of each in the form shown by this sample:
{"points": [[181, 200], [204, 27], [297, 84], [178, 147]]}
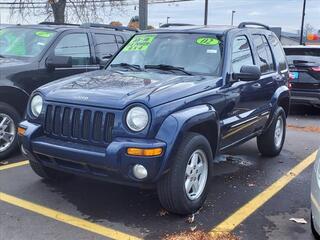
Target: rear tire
{"points": [[48, 173], [270, 143], [191, 169], [9, 120]]}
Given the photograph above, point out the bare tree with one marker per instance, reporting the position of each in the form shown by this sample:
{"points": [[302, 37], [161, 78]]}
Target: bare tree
{"points": [[66, 10], [58, 9], [308, 28]]}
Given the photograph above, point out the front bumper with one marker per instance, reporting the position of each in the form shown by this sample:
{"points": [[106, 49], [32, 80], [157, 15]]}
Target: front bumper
{"points": [[305, 97], [315, 194], [110, 163]]}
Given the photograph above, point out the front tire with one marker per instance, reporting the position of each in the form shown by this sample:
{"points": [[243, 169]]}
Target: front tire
{"points": [[48, 173], [270, 143], [184, 188], [313, 229], [9, 120]]}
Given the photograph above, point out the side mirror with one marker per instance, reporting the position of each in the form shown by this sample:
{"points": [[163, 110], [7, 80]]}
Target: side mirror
{"points": [[248, 73], [106, 57], [104, 60], [58, 62]]}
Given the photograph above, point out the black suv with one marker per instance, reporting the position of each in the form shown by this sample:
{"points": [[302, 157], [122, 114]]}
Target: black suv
{"points": [[165, 105], [33, 55], [304, 64]]}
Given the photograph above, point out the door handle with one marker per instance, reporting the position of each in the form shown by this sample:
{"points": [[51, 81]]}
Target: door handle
{"points": [[256, 85]]}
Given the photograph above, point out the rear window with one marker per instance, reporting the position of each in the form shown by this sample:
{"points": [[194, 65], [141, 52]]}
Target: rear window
{"points": [[315, 52], [302, 54]]}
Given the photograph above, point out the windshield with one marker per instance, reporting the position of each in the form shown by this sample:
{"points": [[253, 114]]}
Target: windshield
{"points": [[172, 52], [19, 42]]}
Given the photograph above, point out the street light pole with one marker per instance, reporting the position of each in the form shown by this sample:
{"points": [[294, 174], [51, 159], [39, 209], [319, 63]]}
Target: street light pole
{"points": [[302, 21], [206, 12], [232, 13]]}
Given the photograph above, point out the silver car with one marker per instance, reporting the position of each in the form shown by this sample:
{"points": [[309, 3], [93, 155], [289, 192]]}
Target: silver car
{"points": [[315, 198]]}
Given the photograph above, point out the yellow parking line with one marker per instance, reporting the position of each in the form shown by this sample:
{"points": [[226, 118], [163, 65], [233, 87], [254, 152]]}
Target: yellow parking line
{"points": [[13, 165], [249, 208], [65, 218]]}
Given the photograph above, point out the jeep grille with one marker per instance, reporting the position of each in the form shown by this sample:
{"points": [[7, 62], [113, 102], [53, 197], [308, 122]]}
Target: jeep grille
{"points": [[78, 124]]}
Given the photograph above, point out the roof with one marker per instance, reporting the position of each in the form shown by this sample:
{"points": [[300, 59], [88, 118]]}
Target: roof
{"points": [[47, 27], [63, 27], [215, 29]]}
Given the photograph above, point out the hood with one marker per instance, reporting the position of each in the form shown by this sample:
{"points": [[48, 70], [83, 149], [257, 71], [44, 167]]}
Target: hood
{"points": [[11, 62], [114, 89]]}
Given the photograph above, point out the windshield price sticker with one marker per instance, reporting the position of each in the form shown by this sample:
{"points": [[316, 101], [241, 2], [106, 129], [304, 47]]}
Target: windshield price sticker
{"points": [[44, 34], [208, 41], [140, 43]]}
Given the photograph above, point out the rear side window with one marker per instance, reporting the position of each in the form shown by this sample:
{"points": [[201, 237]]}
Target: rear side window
{"points": [[264, 54], [105, 45], [241, 53], [278, 52], [78, 50]]}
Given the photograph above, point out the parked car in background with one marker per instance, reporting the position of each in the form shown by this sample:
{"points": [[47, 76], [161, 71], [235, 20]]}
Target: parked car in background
{"points": [[166, 104], [304, 64], [33, 55], [315, 198]]}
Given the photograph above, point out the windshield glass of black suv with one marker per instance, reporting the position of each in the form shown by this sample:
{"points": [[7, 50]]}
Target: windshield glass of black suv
{"points": [[191, 54], [23, 42]]}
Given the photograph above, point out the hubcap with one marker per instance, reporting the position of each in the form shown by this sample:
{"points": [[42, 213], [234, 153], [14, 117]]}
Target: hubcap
{"points": [[196, 174], [7, 132], [278, 133]]}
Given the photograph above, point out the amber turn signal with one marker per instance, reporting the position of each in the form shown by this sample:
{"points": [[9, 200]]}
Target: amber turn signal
{"points": [[148, 152], [21, 131]]}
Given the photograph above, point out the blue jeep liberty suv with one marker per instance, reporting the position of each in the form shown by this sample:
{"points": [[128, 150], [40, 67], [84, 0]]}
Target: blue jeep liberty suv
{"points": [[165, 105]]}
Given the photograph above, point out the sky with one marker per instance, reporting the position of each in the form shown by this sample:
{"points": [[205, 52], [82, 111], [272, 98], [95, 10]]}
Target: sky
{"points": [[280, 13]]}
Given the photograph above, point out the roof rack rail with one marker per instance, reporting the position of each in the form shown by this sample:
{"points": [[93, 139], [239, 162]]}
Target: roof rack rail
{"points": [[53, 23], [245, 24], [166, 25], [99, 25]]}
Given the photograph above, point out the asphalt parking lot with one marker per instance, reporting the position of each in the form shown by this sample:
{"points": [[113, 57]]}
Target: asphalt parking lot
{"points": [[243, 197]]}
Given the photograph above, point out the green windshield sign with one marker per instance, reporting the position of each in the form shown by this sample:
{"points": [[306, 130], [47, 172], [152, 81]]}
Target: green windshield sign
{"points": [[140, 42], [208, 41], [43, 34]]}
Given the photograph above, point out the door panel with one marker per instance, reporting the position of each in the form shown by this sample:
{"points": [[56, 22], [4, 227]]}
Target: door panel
{"points": [[248, 102], [75, 45]]}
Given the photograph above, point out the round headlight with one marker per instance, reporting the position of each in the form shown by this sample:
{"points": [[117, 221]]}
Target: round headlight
{"points": [[36, 105], [137, 119]]}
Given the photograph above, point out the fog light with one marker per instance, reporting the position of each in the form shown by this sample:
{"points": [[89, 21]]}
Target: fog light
{"points": [[140, 171]]}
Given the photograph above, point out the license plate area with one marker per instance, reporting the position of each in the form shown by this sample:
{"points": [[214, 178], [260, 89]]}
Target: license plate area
{"points": [[295, 75]]}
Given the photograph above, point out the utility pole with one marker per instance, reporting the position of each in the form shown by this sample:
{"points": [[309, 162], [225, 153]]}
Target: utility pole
{"points": [[232, 13], [143, 14], [302, 22], [206, 12]]}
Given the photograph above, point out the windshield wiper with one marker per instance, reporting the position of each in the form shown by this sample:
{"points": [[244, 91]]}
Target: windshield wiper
{"points": [[127, 65], [1, 56], [167, 67]]}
